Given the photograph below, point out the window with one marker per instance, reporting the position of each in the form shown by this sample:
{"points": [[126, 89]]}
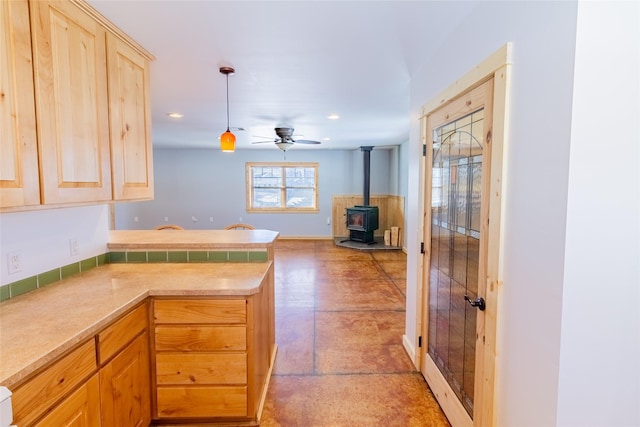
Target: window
{"points": [[282, 187]]}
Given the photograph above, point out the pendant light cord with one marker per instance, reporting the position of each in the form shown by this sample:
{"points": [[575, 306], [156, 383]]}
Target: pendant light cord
{"points": [[227, 102]]}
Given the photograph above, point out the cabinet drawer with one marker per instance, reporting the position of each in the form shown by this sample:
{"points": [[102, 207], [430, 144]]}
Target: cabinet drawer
{"points": [[178, 402], [114, 337], [200, 338], [82, 408], [201, 368], [32, 398], [200, 311]]}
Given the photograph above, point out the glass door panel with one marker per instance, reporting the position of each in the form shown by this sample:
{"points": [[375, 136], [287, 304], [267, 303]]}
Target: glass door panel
{"points": [[455, 234]]}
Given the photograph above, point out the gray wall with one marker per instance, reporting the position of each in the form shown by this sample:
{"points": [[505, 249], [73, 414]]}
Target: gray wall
{"points": [[209, 185], [600, 339], [537, 160], [557, 353]]}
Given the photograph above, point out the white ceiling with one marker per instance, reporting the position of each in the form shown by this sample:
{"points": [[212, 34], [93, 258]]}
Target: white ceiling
{"points": [[296, 62]]}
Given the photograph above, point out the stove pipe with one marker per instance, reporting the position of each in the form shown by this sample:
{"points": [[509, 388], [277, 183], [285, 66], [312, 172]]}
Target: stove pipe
{"points": [[366, 151]]}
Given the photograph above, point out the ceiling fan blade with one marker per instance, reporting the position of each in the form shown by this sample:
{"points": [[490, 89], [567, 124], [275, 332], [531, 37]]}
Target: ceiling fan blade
{"points": [[263, 142], [306, 141]]}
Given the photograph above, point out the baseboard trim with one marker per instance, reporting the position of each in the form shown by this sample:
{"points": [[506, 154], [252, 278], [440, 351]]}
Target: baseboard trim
{"points": [[281, 237], [410, 349], [263, 395]]}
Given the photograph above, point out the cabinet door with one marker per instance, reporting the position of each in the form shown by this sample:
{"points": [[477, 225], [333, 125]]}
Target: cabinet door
{"points": [[18, 145], [125, 389], [130, 121], [80, 409], [71, 103]]}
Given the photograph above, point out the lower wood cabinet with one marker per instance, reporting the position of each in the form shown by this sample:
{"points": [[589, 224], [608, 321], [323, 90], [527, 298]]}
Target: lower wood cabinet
{"points": [[43, 391], [125, 390], [105, 381], [201, 358], [213, 357], [125, 376], [80, 409]]}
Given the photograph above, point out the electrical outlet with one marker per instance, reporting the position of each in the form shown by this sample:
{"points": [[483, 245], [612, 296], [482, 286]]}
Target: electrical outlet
{"points": [[15, 262], [210, 219], [239, 219], [194, 219], [166, 219], [328, 220], [73, 247], [135, 219]]}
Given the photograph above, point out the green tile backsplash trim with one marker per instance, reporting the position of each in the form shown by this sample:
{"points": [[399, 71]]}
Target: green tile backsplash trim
{"points": [[157, 257], [43, 279], [4, 293], [70, 270], [238, 256], [185, 256], [116, 257], [136, 257], [181, 256], [102, 259], [88, 264], [198, 256], [218, 256], [48, 277], [258, 257], [23, 286]]}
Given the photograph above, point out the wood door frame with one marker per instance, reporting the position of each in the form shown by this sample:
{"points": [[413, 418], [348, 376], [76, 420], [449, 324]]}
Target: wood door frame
{"points": [[496, 67]]}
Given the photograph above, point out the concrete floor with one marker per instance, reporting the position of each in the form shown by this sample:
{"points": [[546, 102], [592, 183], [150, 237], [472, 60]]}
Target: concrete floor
{"points": [[339, 323]]}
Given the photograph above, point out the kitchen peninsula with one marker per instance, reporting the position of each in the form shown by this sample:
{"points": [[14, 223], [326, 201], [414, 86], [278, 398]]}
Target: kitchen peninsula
{"points": [[170, 329]]}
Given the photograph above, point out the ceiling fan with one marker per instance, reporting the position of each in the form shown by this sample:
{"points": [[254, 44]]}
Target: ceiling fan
{"points": [[285, 140]]}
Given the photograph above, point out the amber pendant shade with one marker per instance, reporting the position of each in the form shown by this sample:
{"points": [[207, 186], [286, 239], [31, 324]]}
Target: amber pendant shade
{"points": [[227, 139], [228, 142]]}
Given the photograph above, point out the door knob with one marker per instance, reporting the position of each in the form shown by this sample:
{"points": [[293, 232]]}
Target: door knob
{"points": [[478, 302]]}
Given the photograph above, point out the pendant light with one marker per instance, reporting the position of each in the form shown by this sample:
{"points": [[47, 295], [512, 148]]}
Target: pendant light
{"points": [[227, 139]]}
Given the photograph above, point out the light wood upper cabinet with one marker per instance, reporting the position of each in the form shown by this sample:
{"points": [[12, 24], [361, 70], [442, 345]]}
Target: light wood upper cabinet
{"points": [[75, 122], [130, 121], [19, 185], [71, 103]]}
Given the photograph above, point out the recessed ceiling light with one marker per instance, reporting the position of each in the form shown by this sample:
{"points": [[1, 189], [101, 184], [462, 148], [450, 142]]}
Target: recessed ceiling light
{"points": [[175, 115], [326, 139], [333, 117]]}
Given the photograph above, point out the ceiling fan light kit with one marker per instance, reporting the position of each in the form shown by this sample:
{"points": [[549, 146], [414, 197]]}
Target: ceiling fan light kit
{"points": [[227, 139], [284, 146]]}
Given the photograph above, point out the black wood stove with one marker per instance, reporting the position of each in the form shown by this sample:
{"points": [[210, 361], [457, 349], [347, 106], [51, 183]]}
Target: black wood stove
{"points": [[362, 220]]}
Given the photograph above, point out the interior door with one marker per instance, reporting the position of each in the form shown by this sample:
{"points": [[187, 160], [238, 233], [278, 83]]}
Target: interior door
{"points": [[457, 173]]}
